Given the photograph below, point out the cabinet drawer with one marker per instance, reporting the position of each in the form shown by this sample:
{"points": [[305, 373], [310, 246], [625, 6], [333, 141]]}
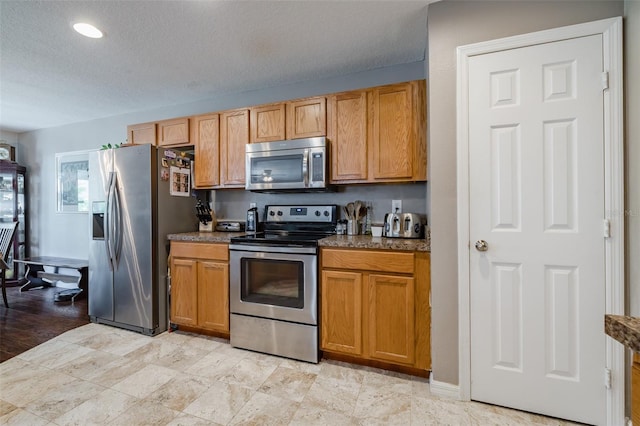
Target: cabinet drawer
{"points": [[380, 261], [200, 250]]}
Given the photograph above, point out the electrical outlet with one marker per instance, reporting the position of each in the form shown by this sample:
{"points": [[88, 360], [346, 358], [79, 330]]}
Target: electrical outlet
{"points": [[396, 206], [252, 205]]}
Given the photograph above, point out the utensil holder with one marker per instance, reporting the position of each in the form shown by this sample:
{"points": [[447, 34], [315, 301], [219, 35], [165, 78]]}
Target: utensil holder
{"points": [[352, 227]]}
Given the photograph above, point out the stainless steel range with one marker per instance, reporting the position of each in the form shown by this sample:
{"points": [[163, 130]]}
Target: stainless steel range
{"points": [[274, 282]]}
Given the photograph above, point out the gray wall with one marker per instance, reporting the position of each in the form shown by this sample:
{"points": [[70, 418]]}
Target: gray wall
{"points": [[10, 137], [452, 23], [64, 234], [233, 204], [632, 154]]}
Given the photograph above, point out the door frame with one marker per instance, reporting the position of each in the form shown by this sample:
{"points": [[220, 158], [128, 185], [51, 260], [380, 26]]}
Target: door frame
{"points": [[611, 31]]}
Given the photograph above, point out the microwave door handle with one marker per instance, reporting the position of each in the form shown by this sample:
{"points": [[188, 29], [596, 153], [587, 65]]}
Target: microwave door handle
{"points": [[305, 167]]}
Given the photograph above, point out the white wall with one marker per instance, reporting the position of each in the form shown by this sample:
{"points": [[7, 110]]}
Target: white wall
{"points": [[453, 23], [65, 234]]}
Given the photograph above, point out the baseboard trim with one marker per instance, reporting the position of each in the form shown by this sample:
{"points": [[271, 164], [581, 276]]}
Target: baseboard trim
{"points": [[442, 389]]}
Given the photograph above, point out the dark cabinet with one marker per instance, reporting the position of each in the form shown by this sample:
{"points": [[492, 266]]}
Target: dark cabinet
{"points": [[13, 208]]}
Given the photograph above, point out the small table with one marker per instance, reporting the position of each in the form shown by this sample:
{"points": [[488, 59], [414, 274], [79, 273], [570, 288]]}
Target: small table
{"points": [[36, 276]]}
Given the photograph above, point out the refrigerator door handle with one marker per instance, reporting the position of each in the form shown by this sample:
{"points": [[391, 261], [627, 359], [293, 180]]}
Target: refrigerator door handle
{"points": [[108, 234], [117, 208]]}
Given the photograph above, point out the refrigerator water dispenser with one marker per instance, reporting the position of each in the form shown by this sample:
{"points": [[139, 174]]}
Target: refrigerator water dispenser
{"points": [[97, 224]]}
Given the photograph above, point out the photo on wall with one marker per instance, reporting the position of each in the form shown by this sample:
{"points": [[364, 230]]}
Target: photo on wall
{"points": [[72, 182]]}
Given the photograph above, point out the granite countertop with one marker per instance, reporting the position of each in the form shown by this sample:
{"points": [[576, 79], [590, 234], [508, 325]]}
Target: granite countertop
{"points": [[204, 237], [369, 242], [342, 241], [624, 329]]}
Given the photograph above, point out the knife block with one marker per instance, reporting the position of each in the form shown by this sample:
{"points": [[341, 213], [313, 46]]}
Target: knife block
{"points": [[206, 228]]}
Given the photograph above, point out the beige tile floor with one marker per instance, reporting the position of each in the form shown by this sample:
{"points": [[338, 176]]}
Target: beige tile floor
{"points": [[98, 375]]}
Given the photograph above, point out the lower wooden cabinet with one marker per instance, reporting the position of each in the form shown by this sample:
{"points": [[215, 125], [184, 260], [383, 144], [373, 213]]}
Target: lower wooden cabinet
{"points": [[391, 318], [341, 312], [375, 306], [200, 285], [635, 389]]}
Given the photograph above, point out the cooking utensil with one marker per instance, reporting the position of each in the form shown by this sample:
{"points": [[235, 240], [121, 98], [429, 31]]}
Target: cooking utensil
{"points": [[357, 206], [350, 211]]}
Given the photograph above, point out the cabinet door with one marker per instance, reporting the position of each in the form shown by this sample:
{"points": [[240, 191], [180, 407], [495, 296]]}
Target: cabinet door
{"points": [[267, 123], [173, 132], [307, 118], [142, 133], [341, 308], [392, 132], [234, 136], [391, 318], [635, 390], [213, 295], [184, 291], [347, 116], [206, 137]]}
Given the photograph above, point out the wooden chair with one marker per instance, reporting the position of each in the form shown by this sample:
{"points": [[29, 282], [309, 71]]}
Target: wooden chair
{"points": [[7, 232]]}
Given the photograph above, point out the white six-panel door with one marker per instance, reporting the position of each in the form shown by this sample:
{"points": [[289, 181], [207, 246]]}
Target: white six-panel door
{"points": [[536, 185]]}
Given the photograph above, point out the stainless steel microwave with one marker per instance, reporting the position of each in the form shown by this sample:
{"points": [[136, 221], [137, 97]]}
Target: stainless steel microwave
{"points": [[293, 165]]}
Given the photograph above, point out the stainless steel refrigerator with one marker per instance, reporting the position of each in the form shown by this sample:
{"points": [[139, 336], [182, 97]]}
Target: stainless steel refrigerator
{"points": [[132, 211]]}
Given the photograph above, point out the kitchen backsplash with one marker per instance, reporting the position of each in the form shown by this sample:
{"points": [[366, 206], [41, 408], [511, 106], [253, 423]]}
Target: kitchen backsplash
{"points": [[233, 204]]}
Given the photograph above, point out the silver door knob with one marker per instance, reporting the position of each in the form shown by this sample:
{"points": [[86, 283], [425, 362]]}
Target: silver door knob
{"points": [[481, 245]]}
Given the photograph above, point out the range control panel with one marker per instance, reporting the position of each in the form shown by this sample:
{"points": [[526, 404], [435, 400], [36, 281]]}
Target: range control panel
{"points": [[311, 213]]}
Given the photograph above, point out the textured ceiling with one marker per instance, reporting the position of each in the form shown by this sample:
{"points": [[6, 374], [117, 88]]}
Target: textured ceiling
{"points": [[158, 53]]}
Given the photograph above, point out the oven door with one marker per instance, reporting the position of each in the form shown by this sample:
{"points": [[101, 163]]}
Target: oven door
{"points": [[274, 282]]}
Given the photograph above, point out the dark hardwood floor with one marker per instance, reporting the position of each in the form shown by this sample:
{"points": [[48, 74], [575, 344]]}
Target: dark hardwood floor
{"points": [[33, 318]]}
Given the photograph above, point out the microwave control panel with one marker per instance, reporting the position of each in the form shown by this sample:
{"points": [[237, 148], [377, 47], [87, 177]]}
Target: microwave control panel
{"points": [[317, 167]]}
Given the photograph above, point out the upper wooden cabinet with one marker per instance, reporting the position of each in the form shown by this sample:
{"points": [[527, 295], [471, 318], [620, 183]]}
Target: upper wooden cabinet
{"points": [[173, 132], [307, 118], [205, 135], [382, 139], [302, 118], [140, 134], [376, 135], [267, 123], [347, 117], [219, 143], [234, 136], [398, 132]]}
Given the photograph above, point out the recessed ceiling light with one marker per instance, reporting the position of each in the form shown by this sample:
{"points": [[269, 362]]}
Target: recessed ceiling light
{"points": [[87, 30]]}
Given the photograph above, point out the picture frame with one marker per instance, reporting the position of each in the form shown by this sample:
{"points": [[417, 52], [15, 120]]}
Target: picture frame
{"points": [[179, 185], [72, 182]]}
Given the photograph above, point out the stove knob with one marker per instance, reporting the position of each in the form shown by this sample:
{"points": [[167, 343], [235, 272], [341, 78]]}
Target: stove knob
{"points": [[272, 213], [279, 213], [317, 212]]}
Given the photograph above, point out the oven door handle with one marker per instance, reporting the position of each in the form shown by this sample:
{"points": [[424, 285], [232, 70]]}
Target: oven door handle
{"points": [[274, 249]]}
